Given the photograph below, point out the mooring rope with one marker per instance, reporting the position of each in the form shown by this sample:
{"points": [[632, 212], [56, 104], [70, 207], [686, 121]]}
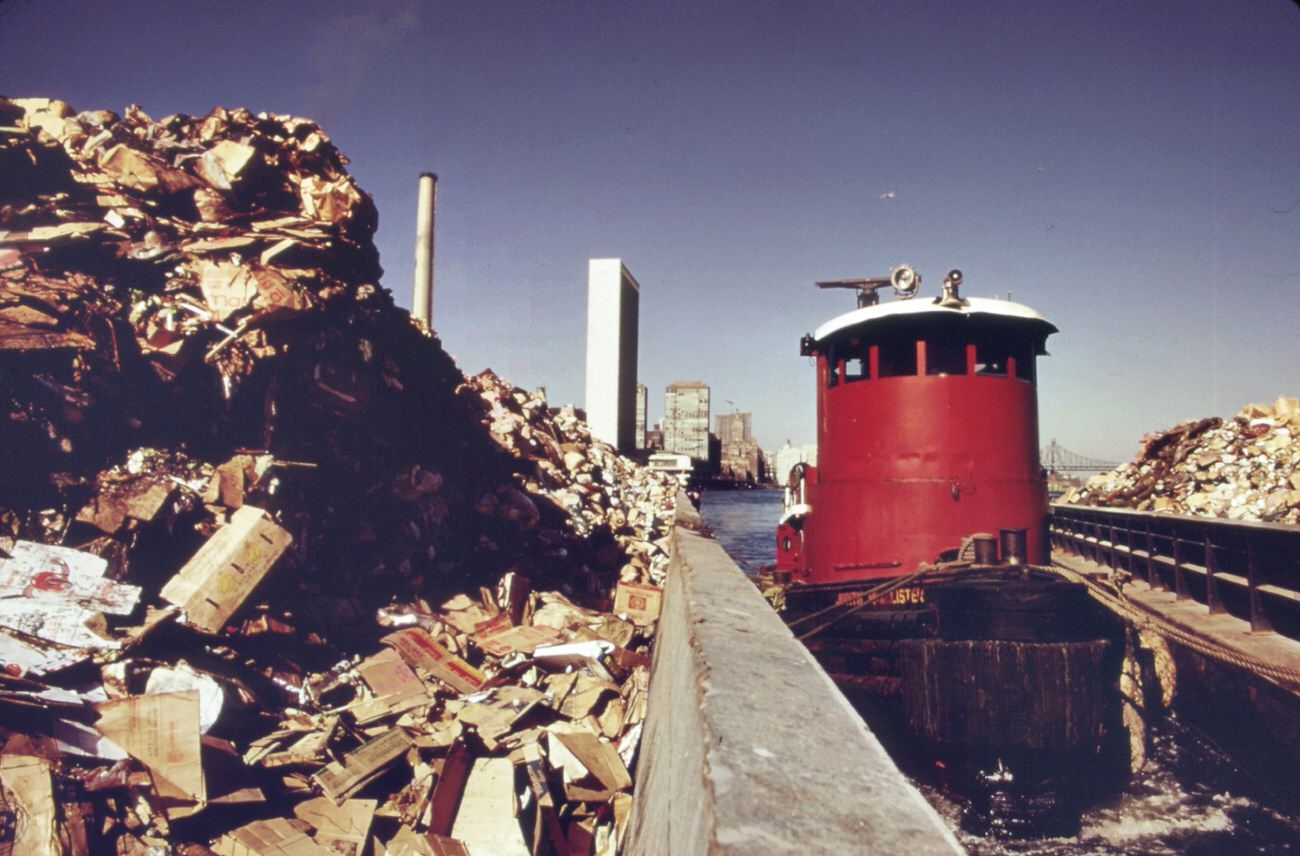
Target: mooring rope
{"points": [[1118, 604], [855, 603]]}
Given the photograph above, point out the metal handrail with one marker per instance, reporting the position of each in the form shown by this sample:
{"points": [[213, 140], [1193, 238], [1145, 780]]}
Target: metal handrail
{"points": [[1247, 569]]}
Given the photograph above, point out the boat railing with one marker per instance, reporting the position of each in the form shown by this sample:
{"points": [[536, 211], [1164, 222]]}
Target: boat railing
{"points": [[1247, 569]]}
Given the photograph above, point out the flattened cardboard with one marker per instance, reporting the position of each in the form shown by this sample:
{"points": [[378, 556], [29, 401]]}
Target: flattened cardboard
{"points": [[582, 835], [388, 676], [624, 660], [442, 845], [340, 780], [58, 586], [599, 758], [585, 695], [464, 613], [447, 791], [640, 601], [274, 837], [497, 717], [27, 807], [408, 842], [344, 829], [221, 575], [498, 623], [64, 624], [548, 822], [141, 500], [64, 561], [421, 651], [18, 657], [500, 642], [512, 596], [611, 718], [622, 804], [162, 732], [486, 821], [226, 287]]}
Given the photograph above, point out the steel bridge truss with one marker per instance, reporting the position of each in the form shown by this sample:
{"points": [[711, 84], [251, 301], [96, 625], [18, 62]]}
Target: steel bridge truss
{"points": [[1056, 458]]}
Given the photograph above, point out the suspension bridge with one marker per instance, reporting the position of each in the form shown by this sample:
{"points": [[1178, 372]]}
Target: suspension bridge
{"points": [[1056, 458]]}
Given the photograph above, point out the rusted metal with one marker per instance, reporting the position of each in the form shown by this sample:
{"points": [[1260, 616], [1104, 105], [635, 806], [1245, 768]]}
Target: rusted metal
{"points": [[1180, 573], [1259, 622], [1153, 576], [1246, 569], [1212, 599]]}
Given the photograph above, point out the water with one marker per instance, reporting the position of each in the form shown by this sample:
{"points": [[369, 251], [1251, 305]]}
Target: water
{"points": [[1188, 799], [744, 522]]}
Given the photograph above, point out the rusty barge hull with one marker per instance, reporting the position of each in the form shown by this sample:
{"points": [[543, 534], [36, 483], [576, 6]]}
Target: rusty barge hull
{"points": [[996, 683]]}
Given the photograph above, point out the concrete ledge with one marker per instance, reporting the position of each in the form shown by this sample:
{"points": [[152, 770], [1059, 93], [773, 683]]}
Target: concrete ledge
{"points": [[749, 747]]}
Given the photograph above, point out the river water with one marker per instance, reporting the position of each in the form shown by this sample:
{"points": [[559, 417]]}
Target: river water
{"points": [[1188, 799]]}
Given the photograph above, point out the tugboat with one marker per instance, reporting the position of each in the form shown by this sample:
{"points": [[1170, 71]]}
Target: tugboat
{"points": [[916, 555]]}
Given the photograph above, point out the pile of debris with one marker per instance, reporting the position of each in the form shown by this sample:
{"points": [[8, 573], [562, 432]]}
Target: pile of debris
{"points": [[274, 575], [1244, 469]]}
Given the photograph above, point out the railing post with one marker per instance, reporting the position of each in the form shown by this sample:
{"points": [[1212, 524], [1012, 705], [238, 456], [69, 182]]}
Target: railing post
{"points": [[1114, 553], [1259, 622], [1212, 599], [1154, 579], [1130, 562], [1180, 583]]}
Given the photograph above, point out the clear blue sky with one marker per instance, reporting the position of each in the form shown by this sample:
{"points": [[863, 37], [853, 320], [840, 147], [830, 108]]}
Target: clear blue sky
{"points": [[1117, 165]]}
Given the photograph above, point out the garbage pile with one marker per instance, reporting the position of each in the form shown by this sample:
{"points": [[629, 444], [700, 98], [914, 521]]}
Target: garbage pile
{"points": [[275, 577], [1245, 469]]}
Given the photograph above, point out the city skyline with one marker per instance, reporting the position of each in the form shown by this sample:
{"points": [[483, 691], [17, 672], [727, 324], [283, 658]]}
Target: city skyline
{"points": [[1127, 170]]}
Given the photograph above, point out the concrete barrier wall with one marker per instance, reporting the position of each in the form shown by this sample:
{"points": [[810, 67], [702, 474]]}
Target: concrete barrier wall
{"points": [[749, 747]]}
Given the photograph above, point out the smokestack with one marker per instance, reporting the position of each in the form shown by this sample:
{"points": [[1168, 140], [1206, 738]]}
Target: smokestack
{"points": [[422, 299]]}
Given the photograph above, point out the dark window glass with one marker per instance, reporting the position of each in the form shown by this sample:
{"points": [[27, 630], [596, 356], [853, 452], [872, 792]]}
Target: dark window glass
{"points": [[945, 355], [990, 358], [897, 356]]}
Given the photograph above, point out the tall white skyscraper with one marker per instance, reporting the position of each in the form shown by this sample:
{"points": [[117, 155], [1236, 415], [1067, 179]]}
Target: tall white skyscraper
{"points": [[613, 298]]}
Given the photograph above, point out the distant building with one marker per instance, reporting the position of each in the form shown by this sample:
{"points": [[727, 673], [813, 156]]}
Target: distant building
{"points": [[739, 457], [686, 419], [613, 298], [654, 438], [715, 455], [734, 427], [787, 456], [642, 399]]}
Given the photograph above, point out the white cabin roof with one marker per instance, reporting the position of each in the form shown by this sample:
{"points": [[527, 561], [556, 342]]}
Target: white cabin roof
{"points": [[974, 306]]}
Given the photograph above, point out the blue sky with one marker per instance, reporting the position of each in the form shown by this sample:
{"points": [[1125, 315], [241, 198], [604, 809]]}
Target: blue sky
{"points": [[1117, 165]]}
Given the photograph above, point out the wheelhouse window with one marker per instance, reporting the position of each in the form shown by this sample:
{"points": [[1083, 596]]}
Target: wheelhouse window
{"points": [[1007, 357], [897, 356], [945, 355], [846, 362], [940, 350]]}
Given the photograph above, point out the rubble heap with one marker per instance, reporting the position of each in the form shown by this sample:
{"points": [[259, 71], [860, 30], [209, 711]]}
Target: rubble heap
{"points": [[1245, 469], [274, 575]]}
